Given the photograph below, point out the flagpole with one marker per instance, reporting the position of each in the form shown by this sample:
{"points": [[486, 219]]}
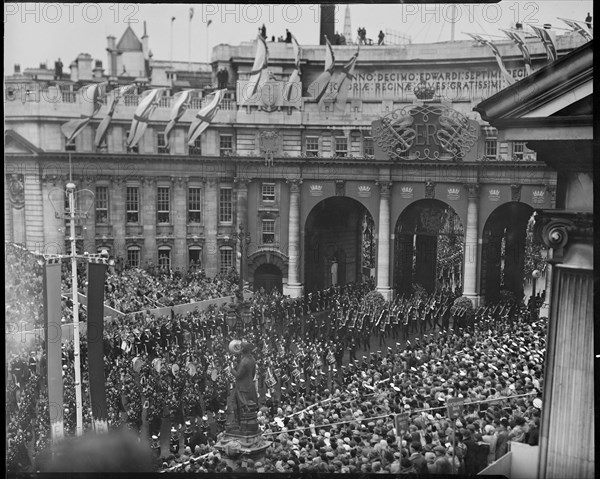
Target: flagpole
{"points": [[190, 44], [207, 25], [75, 300], [171, 56]]}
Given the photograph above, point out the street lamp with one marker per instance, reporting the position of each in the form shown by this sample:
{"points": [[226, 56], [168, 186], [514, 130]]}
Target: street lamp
{"points": [[535, 274], [244, 239]]}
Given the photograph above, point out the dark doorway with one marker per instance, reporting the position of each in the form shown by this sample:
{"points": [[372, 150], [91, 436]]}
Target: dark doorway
{"points": [[269, 277], [339, 246], [195, 257], [503, 250], [429, 247]]}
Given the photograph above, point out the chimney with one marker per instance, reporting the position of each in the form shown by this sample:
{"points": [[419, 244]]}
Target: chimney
{"points": [[327, 23], [17, 68], [111, 47], [74, 71], [84, 63], [98, 70]]}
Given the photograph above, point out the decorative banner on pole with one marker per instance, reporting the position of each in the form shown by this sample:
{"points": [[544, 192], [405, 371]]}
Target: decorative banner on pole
{"points": [[548, 39], [519, 39], [104, 124], [295, 76], [180, 105], [95, 336], [142, 115], [91, 101], [52, 330], [257, 75], [318, 88], [578, 28], [344, 83], [204, 117], [505, 73]]}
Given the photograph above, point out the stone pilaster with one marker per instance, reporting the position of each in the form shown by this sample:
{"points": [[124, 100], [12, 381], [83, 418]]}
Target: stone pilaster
{"points": [[294, 286], [148, 215], [117, 215], [471, 244], [567, 430], [383, 240], [179, 212], [211, 210]]}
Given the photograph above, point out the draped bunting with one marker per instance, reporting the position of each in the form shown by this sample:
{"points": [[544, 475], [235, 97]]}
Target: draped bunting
{"points": [[104, 124], [318, 88], [142, 115]]}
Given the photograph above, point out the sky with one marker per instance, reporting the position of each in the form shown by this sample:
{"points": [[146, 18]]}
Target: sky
{"points": [[38, 33]]}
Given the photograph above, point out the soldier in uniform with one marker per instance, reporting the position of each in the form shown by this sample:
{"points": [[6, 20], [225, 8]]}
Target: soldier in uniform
{"points": [[155, 446], [188, 432], [174, 441]]}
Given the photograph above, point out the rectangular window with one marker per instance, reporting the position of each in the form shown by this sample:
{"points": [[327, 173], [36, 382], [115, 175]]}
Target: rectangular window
{"points": [[368, 150], [133, 204], [161, 143], [70, 145], [312, 146], [225, 144], [226, 259], [268, 192], [518, 150], [196, 148], [225, 206], [134, 149], [163, 207], [268, 231], [341, 146], [194, 205], [133, 257], [101, 202], [491, 149], [164, 258]]}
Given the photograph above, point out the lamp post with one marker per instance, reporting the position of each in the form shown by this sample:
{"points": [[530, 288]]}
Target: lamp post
{"points": [[535, 274], [243, 237], [73, 213]]}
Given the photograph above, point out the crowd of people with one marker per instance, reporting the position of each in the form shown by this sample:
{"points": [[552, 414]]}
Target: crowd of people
{"points": [[136, 289], [315, 399], [336, 368]]}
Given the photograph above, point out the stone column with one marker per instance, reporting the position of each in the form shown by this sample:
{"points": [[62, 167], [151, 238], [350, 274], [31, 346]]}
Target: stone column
{"points": [[294, 286], [383, 240], [241, 215], [211, 255], [180, 254], [148, 212], [567, 429], [471, 243]]}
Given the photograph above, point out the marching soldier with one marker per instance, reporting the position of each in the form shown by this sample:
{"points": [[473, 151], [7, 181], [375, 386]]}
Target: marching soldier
{"points": [[188, 432], [174, 441]]}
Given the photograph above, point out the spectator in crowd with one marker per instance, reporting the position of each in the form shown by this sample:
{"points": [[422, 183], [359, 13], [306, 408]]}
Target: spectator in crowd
{"points": [[381, 37], [588, 21]]}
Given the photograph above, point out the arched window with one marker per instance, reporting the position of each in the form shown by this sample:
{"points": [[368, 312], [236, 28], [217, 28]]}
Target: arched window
{"points": [[164, 257]]}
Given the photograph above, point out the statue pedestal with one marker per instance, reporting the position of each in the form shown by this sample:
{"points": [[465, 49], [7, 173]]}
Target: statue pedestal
{"points": [[234, 445]]}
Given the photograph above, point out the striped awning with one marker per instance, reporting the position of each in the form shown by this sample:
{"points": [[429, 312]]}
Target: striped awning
{"points": [[490, 132]]}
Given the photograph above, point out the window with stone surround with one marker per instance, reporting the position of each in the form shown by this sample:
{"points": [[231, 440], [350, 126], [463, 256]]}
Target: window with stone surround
{"points": [[101, 202]]}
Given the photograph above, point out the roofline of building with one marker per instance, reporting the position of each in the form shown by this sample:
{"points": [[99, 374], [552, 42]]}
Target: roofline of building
{"points": [[546, 84]]}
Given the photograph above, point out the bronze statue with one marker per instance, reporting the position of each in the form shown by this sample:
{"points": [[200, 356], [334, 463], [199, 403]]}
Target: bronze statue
{"points": [[242, 404]]}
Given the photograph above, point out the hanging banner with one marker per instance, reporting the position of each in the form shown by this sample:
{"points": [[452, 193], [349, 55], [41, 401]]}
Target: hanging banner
{"points": [[95, 335], [52, 327]]}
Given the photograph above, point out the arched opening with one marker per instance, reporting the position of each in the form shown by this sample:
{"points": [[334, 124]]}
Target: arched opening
{"points": [[429, 247], [503, 250], [268, 277], [339, 246]]}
